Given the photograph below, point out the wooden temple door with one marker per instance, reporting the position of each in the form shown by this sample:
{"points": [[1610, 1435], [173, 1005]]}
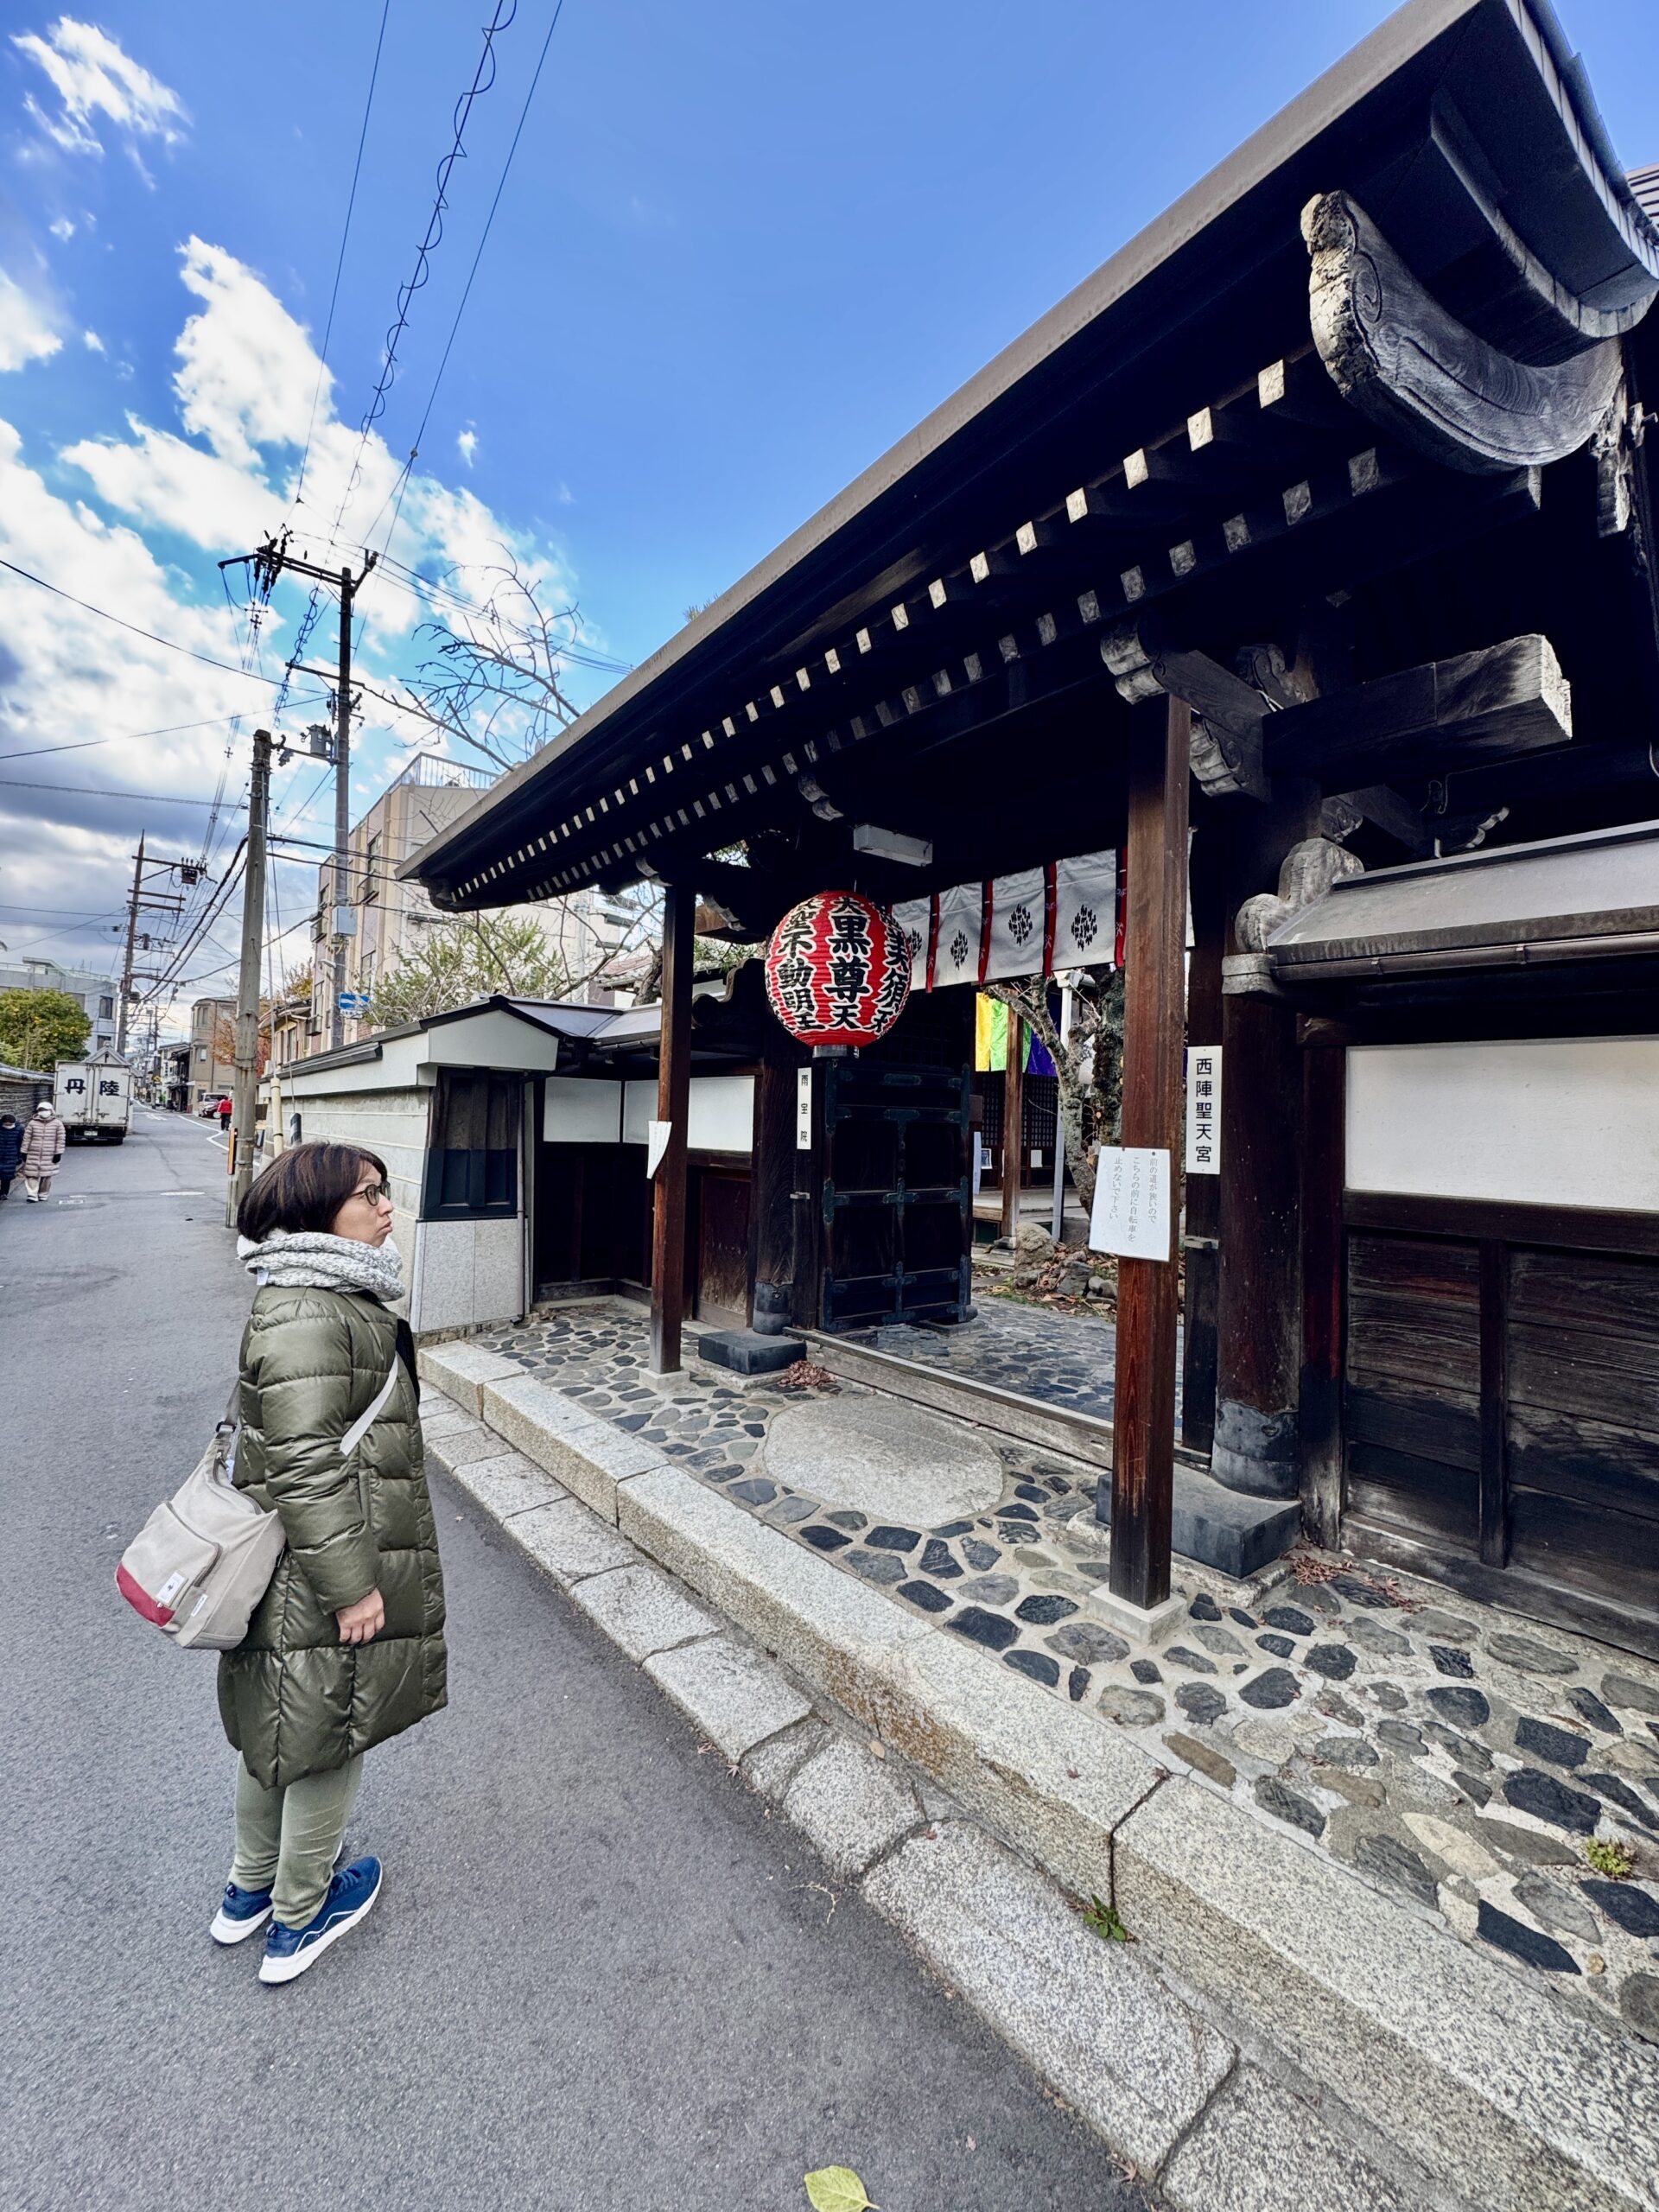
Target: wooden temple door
{"points": [[897, 1193], [722, 1287]]}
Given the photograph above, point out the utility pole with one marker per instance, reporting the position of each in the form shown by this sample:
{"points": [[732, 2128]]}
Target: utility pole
{"points": [[268, 563], [142, 901], [240, 1163], [343, 911], [126, 964]]}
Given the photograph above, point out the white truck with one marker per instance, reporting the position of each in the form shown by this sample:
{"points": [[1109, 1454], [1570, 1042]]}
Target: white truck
{"points": [[93, 1099]]}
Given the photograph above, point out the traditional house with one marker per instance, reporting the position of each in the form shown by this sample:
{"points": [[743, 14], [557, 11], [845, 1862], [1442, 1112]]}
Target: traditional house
{"points": [[1317, 523]]}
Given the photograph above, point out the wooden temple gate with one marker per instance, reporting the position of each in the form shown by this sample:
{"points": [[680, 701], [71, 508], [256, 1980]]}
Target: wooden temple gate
{"points": [[1316, 525]]}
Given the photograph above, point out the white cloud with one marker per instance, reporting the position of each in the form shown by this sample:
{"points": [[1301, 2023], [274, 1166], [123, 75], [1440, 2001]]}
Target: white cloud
{"points": [[467, 444], [94, 77], [91, 342], [220, 477], [26, 332], [63, 229]]}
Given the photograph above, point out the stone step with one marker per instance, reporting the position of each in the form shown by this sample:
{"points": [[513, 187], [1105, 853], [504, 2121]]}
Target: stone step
{"points": [[1224, 1529], [1419, 2049]]}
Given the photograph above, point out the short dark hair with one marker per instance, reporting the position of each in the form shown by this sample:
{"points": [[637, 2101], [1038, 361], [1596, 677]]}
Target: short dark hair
{"points": [[303, 1189]]}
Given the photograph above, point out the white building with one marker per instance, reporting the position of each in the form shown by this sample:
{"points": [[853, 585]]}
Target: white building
{"points": [[389, 918], [95, 993]]}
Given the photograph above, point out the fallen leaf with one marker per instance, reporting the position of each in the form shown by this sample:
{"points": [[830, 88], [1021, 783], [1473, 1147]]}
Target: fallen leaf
{"points": [[837, 2189]]}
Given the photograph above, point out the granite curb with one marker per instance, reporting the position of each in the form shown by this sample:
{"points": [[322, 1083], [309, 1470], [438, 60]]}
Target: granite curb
{"points": [[1435, 2104]]}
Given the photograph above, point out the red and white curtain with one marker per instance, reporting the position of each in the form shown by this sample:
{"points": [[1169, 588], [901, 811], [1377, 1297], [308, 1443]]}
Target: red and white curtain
{"points": [[1039, 921]]}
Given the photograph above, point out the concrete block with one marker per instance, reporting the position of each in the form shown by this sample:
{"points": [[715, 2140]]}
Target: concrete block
{"points": [[1010, 1753], [829, 1629], [507, 1484], [596, 1457], [747, 1351], [737, 1698], [442, 1416], [460, 1370], [1088, 2014], [1509, 2099], [1258, 2149], [466, 1440], [536, 1420], [850, 1806], [569, 1541], [642, 1611], [1225, 1528], [772, 1766]]}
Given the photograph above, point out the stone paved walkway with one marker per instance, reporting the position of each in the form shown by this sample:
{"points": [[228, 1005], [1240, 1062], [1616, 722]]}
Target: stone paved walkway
{"points": [[1460, 1760], [1064, 1359]]}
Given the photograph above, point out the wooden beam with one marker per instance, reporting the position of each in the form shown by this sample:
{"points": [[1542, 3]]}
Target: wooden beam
{"points": [[1226, 742], [1506, 699], [1395, 353], [1143, 1413], [1014, 1114], [673, 1106], [1385, 810]]}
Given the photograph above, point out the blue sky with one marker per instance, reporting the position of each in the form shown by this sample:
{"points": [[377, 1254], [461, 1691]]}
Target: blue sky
{"points": [[742, 248]]}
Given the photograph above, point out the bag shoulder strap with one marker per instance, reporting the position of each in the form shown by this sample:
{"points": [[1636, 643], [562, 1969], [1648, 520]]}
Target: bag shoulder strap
{"points": [[365, 1420]]}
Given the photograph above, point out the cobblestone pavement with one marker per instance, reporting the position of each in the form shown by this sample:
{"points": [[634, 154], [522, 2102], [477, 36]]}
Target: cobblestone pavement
{"points": [[1459, 1759], [1064, 1359]]}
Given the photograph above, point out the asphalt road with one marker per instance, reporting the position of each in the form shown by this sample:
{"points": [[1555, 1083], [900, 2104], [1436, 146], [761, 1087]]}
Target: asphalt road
{"points": [[599, 1976]]}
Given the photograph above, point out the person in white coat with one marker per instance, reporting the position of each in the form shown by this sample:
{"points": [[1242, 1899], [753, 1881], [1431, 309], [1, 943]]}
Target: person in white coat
{"points": [[43, 1141]]}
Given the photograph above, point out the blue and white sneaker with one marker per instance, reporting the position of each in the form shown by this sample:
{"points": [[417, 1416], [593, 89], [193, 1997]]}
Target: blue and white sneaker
{"points": [[290, 1951], [241, 1913]]}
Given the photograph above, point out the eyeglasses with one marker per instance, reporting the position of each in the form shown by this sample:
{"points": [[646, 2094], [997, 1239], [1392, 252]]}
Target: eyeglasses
{"points": [[376, 1193]]}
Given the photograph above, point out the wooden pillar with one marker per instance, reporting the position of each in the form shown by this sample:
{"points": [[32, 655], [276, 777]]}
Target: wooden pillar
{"points": [[1013, 1121], [1259, 1311], [1143, 1414], [1203, 1220], [673, 1105]]}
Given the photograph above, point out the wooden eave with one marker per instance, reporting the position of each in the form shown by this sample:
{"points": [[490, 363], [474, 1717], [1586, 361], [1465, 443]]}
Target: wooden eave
{"points": [[1166, 435]]}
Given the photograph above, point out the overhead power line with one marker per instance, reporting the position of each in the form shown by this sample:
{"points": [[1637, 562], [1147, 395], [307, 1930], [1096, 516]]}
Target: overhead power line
{"points": [[136, 628], [339, 258]]}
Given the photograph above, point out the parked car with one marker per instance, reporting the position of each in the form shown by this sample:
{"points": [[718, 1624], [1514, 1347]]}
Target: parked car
{"points": [[211, 1108]]}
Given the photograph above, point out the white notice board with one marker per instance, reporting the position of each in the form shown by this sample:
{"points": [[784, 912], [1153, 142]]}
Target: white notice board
{"points": [[1204, 1109], [1132, 1216], [803, 1109]]}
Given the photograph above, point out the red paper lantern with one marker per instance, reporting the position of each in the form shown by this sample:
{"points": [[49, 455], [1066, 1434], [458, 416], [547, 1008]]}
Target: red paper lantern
{"points": [[837, 970]]}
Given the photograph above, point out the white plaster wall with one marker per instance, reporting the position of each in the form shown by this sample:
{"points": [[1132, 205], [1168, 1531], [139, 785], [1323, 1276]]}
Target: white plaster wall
{"points": [[576, 1111], [1565, 1122], [721, 1118]]}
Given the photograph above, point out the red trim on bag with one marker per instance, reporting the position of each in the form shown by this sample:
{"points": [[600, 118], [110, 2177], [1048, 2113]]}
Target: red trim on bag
{"points": [[140, 1599]]}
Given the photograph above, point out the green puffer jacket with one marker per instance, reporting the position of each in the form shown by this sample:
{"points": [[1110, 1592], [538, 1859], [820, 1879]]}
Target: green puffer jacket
{"points": [[294, 1700]]}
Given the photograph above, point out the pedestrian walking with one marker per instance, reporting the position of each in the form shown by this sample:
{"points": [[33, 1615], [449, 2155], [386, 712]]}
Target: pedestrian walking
{"points": [[226, 1108], [346, 1649], [44, 1142], [12, 1151]]}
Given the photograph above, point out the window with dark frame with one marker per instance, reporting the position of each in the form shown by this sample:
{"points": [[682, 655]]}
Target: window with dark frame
{"points": [[472, 1163]]}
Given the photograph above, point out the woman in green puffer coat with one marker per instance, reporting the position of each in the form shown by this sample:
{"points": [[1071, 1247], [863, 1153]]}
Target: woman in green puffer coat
{"points": [[345, 1648]]}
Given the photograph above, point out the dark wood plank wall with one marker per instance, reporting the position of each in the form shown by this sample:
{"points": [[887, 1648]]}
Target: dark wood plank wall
{"points": [[1502, 1402], [1582, 1424]]}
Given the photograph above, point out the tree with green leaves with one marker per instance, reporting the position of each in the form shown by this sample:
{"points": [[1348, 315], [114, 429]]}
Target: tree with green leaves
{"points": [[473, 956], [38, 1028]]}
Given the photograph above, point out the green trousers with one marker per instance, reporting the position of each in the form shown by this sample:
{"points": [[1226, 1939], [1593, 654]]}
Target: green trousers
{"points": [[287, 1841]]}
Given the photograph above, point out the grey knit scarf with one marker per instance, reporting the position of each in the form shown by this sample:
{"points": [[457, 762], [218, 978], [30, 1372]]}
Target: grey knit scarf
{"points": [[306, 1260]]}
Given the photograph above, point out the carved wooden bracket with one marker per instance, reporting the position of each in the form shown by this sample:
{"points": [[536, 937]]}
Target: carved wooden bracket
{"points": [[1398, 355], [1225, 746], [1305, 874]]}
